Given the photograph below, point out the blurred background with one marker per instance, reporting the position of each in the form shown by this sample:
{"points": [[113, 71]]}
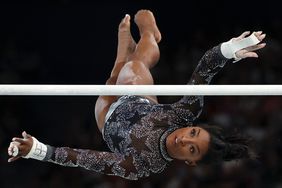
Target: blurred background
{"points": [[68, 42]]}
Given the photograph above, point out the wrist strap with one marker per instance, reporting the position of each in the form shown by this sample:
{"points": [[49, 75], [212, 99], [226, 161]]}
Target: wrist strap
{"points": [[228, 49], [38, 150]]}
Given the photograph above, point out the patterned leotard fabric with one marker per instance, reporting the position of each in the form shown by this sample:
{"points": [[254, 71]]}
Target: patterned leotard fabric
{"points": [[136, 130]]}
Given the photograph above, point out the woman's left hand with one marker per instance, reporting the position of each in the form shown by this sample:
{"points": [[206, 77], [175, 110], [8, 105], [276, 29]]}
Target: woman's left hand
{"points": [[20, 147]]}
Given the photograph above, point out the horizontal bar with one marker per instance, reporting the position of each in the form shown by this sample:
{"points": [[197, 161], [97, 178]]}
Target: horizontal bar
{"points": [[159, 90]]}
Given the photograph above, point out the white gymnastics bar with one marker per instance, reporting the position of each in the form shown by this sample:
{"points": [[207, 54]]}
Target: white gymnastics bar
{"points": [[160, 90]]}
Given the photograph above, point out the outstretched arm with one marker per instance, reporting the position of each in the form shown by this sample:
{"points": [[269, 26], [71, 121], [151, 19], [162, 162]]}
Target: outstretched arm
{"points": [[215, 59], [189, 107], [103, 162]]}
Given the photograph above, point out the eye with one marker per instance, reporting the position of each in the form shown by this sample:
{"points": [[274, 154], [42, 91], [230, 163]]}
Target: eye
{"points": [[191, 149], [193, 132]]}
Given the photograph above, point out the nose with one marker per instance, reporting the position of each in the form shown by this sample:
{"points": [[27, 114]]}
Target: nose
{"points": [[186, 140]]}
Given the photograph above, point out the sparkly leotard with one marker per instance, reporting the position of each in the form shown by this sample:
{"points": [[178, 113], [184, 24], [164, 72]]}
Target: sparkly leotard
{"points": [[136, 130]]}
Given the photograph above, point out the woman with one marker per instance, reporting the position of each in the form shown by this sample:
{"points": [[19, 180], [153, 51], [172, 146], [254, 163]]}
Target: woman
{"points": [[143, 135]]}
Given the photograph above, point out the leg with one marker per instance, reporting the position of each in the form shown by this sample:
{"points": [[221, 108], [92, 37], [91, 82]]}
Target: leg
{"points": [[146, 55], [126, 46], [147, 49]]}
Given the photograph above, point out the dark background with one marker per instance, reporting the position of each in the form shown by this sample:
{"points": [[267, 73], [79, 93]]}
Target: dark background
{"points": [[67, 42]]}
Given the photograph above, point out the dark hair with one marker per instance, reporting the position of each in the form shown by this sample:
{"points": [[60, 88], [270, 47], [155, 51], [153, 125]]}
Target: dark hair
{"points": [[232, 146]]}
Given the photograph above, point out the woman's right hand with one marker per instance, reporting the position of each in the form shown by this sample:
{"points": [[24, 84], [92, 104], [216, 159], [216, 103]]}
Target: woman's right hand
{"points": [[243, 46], [20, 147], [250, 51]]}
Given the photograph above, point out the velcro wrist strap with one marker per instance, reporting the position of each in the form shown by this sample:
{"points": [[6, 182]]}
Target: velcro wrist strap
{"points": [[38, 150], [228, 49]]}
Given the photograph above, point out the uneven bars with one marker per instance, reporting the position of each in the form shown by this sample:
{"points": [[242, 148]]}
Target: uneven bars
{"points": [[160, 90]]}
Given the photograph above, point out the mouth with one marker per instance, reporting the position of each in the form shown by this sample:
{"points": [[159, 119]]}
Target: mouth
{"points": [[176, 140]]}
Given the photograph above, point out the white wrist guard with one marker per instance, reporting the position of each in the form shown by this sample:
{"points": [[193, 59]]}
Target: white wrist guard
{"points": [[38, 150], [228, 49]]}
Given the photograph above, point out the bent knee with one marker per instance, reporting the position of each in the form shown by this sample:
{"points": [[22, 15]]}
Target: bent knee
{"points": [[134, 65], [134, 72]]}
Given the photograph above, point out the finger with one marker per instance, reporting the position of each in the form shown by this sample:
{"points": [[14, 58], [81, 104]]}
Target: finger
{"points": [[10, 150], [250, 54], [243, 35], [14, 149], [25, 135], [13, 159], [258, 33], [244, 54], [261, 37], [14, 143], [20, 140], [255, 47]]}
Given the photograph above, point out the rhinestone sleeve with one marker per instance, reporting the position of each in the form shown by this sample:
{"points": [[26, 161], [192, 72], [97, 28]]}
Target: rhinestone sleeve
{"points": [[189, 108], [103, 162]]}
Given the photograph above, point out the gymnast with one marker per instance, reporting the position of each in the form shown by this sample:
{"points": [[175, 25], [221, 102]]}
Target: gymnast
{"points": [[144, 136]]}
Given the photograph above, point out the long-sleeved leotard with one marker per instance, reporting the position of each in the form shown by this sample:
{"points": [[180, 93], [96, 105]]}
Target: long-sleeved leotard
{"points": [[136, 130]]}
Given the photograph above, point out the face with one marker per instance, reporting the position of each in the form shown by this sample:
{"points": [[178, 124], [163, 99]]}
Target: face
{"points": [[189, 144]]}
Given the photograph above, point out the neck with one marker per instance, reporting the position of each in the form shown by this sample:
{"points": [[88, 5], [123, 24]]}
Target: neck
{"points": [[169, 146], [163, 143]]}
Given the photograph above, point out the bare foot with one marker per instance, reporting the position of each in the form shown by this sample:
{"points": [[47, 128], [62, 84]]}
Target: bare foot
{"points": [[146, 23], [126, 44]]}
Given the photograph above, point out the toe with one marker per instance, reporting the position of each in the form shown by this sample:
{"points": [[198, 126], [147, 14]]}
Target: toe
{"points": [[125, 22], [127, 18]]}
